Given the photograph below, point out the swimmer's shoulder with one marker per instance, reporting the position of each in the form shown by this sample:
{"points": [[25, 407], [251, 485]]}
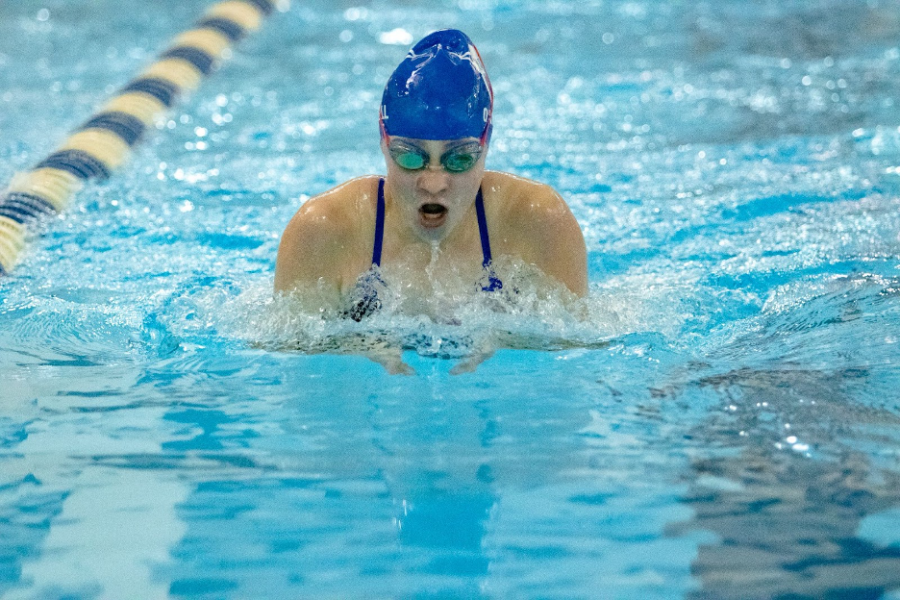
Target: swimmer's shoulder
{"points": [[342, 206], [534, 222], [525, 204], [326, 237]]}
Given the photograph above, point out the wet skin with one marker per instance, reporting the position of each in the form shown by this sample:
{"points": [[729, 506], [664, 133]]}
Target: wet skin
{"points": [[431, 236], [328, 243], [431, 202]]}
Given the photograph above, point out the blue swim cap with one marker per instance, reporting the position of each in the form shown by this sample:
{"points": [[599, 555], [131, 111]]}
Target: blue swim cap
{"points": [[440, 91]]}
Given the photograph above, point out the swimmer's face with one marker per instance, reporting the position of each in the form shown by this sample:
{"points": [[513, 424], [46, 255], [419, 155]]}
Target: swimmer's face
{"points": [[433, 183]]}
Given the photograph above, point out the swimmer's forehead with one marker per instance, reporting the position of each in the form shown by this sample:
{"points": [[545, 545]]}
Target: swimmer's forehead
{"points": [[443, 143]]}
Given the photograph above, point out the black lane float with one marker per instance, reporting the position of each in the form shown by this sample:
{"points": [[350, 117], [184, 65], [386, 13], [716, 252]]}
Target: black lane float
{"points": [[100, 146]]}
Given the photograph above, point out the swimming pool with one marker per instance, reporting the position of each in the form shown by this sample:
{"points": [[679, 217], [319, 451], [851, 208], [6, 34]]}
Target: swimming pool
{"points": [[724, 425]]}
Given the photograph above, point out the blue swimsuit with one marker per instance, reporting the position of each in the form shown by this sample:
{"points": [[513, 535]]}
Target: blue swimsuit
{"points": [[364, 299]]}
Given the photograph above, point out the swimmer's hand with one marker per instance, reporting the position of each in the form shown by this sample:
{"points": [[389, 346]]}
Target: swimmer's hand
{"points": [[469, 364], [482, 351], [392, 361]]}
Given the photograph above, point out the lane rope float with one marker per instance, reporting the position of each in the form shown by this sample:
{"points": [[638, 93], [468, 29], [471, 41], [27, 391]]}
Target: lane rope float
{"points": [[102, 144]]}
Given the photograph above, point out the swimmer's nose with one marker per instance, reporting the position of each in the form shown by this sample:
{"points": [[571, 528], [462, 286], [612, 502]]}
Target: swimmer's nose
{"points": [[434, 181]]}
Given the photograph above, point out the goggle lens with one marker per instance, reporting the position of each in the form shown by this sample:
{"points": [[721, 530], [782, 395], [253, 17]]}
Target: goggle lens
{"points": [[459, 162], [454, 161], [411, 161]]}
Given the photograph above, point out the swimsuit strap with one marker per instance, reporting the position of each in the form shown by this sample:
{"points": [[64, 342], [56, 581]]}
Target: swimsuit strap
{"points": [[482, 229], [494, 284], [379, 225]]}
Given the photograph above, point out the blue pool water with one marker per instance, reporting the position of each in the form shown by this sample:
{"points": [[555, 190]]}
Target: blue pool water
{"points": [[724, 424]]}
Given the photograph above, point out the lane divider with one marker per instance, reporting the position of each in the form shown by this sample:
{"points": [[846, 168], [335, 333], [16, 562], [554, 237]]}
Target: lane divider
{"points": [[102, 144]]}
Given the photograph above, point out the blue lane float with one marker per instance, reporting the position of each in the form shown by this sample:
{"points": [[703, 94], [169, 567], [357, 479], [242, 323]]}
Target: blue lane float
{"points": [[100, 146]]}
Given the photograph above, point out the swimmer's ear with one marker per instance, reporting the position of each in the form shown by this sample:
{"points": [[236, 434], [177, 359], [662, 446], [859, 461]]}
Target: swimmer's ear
{"points": [[381, 128], [486, 136]]}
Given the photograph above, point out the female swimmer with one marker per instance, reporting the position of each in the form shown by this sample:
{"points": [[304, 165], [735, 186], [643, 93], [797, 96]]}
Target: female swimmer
{"points": [[437, 216]]}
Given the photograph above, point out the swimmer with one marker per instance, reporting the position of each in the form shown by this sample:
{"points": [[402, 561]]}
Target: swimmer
{"points": [[438, 217]]}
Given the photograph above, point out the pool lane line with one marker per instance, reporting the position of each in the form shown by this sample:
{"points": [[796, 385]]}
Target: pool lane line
{"points": [[102, 144]]}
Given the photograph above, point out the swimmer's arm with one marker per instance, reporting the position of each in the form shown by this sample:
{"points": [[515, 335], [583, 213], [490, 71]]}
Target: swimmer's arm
{"points": [[308, 263], [555, 242]]}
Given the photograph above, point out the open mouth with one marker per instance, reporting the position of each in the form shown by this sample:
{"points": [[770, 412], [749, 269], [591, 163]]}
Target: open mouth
{"points": [[432, 214]]}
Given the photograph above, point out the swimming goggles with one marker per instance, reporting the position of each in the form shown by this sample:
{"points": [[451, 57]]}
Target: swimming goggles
{"points": [[456, 160]]}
